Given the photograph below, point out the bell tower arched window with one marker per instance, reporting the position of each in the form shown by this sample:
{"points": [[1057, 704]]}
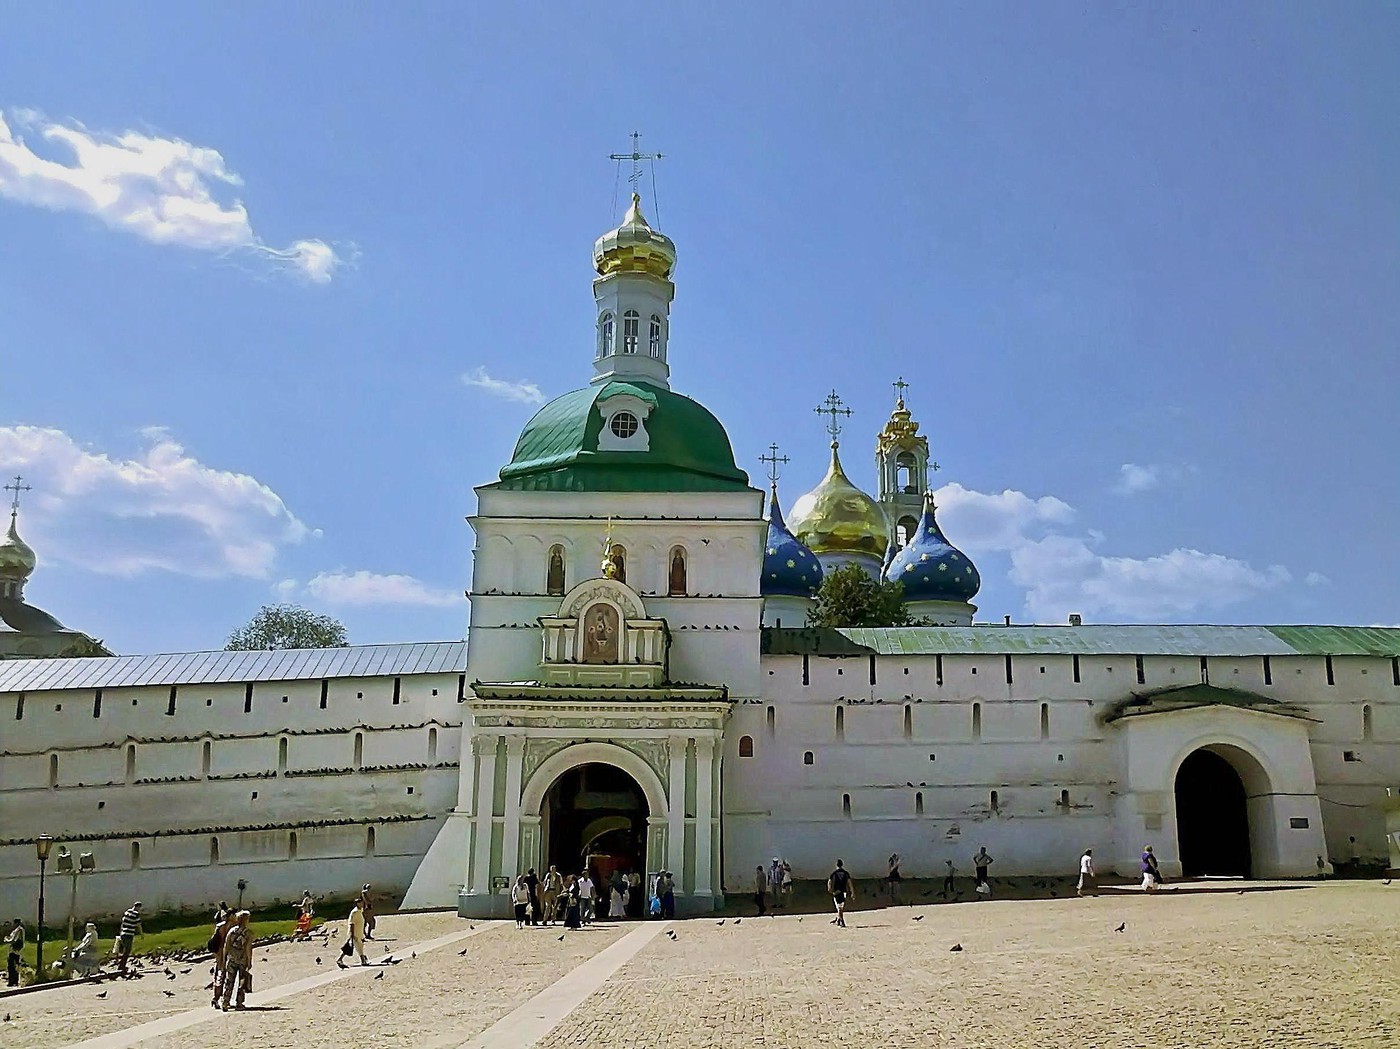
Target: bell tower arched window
{"points": [[654, 336], [554, 575], [675, 577], [905, 473], [904, 531], [631, 324], [605, 334]]}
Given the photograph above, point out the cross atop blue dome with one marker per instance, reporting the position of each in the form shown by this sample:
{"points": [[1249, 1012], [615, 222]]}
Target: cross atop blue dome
{"points": [[789, 568], [930, 567]]}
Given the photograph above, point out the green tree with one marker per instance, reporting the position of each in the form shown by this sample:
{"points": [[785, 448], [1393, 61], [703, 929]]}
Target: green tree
{"points": [[287, 626], [849, 597]]}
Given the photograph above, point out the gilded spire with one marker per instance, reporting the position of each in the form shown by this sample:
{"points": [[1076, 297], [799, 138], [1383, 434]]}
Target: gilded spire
{"points": [[17, 558]]}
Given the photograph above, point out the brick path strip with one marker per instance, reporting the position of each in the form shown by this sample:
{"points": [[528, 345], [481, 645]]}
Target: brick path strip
{"points": [[189, 1018], [530, 1022]]}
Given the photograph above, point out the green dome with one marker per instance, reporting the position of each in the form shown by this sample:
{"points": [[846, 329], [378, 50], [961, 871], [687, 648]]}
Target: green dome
{"points": [[688, 450]]}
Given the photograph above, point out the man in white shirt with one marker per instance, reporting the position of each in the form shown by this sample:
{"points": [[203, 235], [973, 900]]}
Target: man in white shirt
{"points": [[1087, 885], [585, 898]]}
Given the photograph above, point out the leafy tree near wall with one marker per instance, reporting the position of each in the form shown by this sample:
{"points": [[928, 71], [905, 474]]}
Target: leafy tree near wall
{"points": [[287, 626], [849, 597]]}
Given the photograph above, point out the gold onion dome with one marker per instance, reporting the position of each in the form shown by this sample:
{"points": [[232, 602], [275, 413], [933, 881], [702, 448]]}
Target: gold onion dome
{"points": [[837, 517], [634, 247], [16, 556]]}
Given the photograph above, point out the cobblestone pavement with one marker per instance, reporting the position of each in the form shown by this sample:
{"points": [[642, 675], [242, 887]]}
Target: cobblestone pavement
{"points": [[1307, 965], [1313, 966]]}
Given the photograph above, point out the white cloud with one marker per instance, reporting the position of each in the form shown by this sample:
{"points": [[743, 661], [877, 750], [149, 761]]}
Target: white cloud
{"points": [[161, 189], [1062, 574], [998, 521], [1133, 478], [524, 392], [161, 509], [1316, 579], [370, 588], [1063, 571]]}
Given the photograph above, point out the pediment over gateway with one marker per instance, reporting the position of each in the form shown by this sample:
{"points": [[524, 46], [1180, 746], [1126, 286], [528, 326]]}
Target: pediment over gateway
{"points": [[602, 636]]}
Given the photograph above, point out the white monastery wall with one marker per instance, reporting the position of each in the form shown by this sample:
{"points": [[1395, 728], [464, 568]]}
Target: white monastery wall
{"points": [[912, 762], [288, 785]]}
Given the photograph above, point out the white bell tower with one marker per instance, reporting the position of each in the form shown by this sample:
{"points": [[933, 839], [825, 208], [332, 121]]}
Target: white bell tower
{"points": [[633, 292], [901, 459]]}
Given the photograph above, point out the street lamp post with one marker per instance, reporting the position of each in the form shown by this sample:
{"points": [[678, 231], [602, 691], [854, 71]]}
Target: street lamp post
{"points": [[63, 864], [41, 846]]}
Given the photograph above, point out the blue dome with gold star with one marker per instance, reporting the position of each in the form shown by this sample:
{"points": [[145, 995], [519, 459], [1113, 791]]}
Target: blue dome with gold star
{"points": [[789, 568], [930, 567]]}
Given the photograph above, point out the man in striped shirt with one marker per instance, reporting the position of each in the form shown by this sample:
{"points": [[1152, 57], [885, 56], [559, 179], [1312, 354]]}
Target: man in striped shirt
{"points": [[126, 934]]}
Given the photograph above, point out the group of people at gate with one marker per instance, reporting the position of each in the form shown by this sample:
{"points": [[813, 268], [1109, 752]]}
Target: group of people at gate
{"points": [[574, 900]]}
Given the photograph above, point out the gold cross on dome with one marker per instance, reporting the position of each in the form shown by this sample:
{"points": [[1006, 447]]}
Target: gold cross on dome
{"points": [[773, 459], [900, 386], [836, 408], [17, 487]]}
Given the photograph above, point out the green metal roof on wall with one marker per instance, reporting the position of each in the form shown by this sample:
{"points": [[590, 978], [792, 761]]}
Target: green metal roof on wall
{"points": [[1130, 640], [688, 450]]}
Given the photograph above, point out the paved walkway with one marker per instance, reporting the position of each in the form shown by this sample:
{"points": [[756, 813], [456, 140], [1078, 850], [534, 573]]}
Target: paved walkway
{"points": [[1309, 965]]}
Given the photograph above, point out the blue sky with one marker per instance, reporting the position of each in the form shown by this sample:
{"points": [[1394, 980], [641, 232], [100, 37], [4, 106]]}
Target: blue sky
{"points": [[1139, 264]]}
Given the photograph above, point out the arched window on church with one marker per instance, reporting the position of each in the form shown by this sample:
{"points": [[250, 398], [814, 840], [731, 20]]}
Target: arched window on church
{"points": [[904, 531], [605, 334], [618, 556], [554, 575], [675, 578], [631, 323], [745, 746], [904, 468], [654, 336]]}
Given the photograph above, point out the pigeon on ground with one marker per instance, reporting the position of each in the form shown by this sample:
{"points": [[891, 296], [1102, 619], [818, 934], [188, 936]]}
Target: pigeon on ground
{"points": [[463, 952], [168, 994], [1385, 881], [186, 972], [102, 994], [918, 917], [738, 920], [413, 954], [955, 947], [318, 961], [720, 922], [799, 919], [168, 973], [1121, 927], [1239, 892], [171, 976], [561, 939], [7, 1017], [379, 976]]}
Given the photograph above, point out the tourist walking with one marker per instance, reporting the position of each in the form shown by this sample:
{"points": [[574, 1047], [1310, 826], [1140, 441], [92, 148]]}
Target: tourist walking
{"points": [[786, 883], [617, 906], [238, 961], [635, 893], [308, 904], [893, 879], [355, 940], [367, 906], [950, 885], [760, 891], [223, 919], [533, 880], [1087, 885], [222, 913], [549, 894], [666, 892], [842, 891], [84, 957], [981, 862], [14, 940], [572, 904], [127, 932], [585, 898], [520, 897], [775, 881], [1151, 876]]}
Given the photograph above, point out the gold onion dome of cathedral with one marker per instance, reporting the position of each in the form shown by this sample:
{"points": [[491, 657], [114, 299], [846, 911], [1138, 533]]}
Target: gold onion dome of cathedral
{"points": [[837, 517], [16, 556], [634, 247]]}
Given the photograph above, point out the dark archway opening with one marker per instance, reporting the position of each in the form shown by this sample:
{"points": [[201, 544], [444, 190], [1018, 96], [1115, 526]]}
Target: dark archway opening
{"points": [[1212, 820], [595, 817]]}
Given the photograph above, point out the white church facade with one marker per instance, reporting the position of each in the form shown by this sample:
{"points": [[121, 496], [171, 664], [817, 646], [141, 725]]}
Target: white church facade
{"points": [[638, 690]]}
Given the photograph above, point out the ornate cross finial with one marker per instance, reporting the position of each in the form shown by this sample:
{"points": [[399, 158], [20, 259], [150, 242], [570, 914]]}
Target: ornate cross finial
{"points": [[900, 386], [773, 459], [17, 487], [834, 407], [635, 178], [607, 536]]}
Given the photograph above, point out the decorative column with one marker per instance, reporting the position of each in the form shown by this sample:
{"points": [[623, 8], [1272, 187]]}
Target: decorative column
{"points": [[704, 830], [675, 855], [485, 806], [510, 850]]}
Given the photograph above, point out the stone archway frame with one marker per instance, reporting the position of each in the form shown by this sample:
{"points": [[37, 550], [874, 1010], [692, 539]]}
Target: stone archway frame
{"points": [[571, 757], [1253, 772]]}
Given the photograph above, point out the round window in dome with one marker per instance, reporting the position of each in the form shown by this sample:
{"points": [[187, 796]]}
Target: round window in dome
{"points": [[623, 425]]}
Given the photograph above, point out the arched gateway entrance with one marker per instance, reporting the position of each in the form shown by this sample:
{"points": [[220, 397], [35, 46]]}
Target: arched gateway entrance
{"points": [[1212, 812], [594, 817]]}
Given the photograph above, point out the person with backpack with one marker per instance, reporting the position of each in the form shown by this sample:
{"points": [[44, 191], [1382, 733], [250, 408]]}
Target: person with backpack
{"points": [[238, 960], [549, 894], [842, 890], [223, 920]]}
